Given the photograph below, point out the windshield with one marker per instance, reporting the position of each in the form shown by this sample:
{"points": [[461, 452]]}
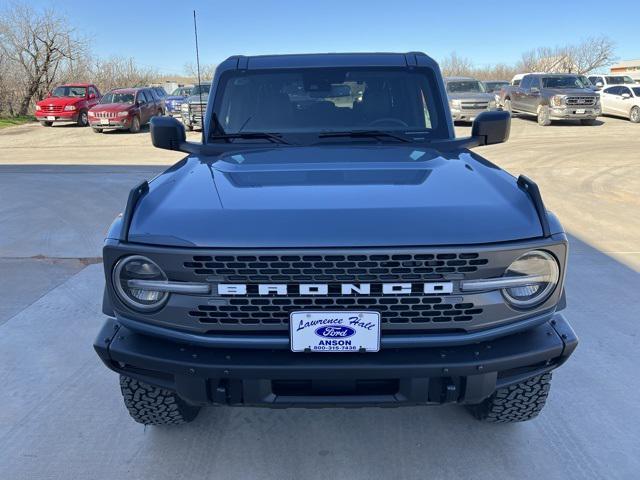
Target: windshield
{"points": [[585, 81], [619, 80], [181, 92], [76, 92], [329, 100], [118, 97], [466, 86], [563, 82], [198, 89]]}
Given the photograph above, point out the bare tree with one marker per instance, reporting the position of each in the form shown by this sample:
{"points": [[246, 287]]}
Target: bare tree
{"points": [[206, 70], [585, 57], [38, 43], [455, 66], [593, 54], [121, 72]]}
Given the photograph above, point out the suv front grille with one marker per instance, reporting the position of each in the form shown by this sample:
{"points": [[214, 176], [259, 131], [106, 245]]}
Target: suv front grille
{"points": [[474, 105], [333, 268], [581, 101], [406, 309]]}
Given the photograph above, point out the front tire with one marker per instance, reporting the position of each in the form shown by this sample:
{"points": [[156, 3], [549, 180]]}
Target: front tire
{"points": [[507, 106], [135, 125], [151, 405], [544, 117], [516, 403], [83, 118], [634, 115]]}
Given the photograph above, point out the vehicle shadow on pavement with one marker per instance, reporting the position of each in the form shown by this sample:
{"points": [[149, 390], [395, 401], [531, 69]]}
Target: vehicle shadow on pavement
{"points": [[558, 123]]}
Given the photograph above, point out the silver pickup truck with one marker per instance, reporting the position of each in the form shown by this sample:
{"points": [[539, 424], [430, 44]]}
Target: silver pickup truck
{"points": [[468, 98], [554, 96]]}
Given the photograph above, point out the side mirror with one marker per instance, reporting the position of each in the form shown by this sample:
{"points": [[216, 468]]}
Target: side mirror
{"points": [[599, 84], [626, 95], [167, 133], [92, 96], [491, 127]]}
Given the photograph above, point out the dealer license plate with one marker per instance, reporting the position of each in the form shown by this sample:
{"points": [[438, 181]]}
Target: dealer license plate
{"points": [[327, 331], [51, 118], [104, 121], [580, 110]]}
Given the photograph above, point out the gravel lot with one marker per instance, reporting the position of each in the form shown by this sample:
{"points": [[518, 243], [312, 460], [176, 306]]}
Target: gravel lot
{"points": [[62, 415]]}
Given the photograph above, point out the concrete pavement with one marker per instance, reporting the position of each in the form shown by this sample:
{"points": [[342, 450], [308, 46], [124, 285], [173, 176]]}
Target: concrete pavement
{"points": [[63, 418]]}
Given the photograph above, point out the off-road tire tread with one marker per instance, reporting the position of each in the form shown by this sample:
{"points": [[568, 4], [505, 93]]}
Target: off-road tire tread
{"points": [[152, 405], [516, 403]]}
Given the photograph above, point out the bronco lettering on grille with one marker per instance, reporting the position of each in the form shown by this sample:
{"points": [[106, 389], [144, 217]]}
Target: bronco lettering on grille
{"points": [[325, 289]]}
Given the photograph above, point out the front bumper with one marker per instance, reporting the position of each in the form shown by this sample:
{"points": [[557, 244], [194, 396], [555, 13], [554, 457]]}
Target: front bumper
{"points": [[118, 123], [573, 112], [464, 374], [467, 115], [63, 116]]}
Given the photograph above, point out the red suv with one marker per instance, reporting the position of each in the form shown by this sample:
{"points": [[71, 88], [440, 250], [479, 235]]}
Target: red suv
{"points": [[68, 103], [125, 109]]}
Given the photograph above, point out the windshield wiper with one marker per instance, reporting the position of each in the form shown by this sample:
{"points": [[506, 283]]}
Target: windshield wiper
{"points": [[273, 137], [368, 134]]}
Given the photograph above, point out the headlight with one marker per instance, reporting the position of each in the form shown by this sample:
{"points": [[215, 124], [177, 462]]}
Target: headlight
{"points": [[557, 100], [38, 107], [69, 108], [123, 114], [137, 267], [454, 103], [544, 272]]}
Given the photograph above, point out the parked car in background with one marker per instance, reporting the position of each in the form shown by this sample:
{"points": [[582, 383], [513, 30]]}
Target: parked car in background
{"points": [[125, 109], [68, 103], [161, 95], [174, 101], [505, 91], [194, 107], [468, 98], [602, 81], [494, 86], [621, 101], [551, 96]]}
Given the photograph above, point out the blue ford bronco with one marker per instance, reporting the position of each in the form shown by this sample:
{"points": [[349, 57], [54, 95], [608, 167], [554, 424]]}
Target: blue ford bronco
{"points": [[331, 243]]}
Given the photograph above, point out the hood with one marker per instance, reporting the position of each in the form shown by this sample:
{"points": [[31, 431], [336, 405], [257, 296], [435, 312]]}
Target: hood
{"points": [[343, 196], [60, 101], [471, 96], [176, 97], [111, 107], [570, 91], [196, 98]]}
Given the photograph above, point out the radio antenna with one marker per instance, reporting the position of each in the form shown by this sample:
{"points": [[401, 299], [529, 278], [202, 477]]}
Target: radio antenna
{"points": [[202, 111]]}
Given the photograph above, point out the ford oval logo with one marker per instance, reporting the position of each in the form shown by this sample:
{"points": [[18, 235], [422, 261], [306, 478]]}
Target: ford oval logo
{"points": [[335, 331]]}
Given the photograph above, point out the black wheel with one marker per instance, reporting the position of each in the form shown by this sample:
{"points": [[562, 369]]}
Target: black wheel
{"points": [[544, 116], [83, 118], [516, 403], [135, 125], [588, 121], [634, 115], [97, 130], [151, 405], [46, 124]]}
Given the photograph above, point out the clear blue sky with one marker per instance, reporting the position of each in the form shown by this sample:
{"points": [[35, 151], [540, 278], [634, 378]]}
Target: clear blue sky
{"points": [[159, 33]]}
